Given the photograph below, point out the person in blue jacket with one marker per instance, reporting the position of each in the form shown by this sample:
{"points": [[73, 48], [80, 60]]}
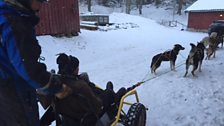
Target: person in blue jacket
{"points": [[21, 73]]}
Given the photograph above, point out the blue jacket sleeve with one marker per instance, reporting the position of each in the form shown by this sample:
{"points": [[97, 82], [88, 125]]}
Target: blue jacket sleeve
{"points": [[33, 72]]}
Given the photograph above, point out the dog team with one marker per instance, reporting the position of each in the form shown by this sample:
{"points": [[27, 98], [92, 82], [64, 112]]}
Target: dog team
{"points": [[195, 57]]}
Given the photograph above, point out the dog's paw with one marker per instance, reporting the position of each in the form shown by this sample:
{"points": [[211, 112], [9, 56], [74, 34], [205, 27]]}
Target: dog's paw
{"points": [[195, 76], [154, 75]]}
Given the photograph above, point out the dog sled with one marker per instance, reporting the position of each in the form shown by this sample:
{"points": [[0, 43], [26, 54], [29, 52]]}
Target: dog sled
{"points": [[123, 114]]}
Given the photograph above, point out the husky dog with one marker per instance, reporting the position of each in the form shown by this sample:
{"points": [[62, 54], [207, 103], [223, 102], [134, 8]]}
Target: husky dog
{"points": [[211, 42], [195, 57], [211, 50], [166, 56]]}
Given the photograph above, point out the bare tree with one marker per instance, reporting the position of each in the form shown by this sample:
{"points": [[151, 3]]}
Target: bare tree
{"points": [[89, 5], [148, 1], [140, 2], [157, 2], [180, 4], [128, 6], [120, 2], [137, 3]]}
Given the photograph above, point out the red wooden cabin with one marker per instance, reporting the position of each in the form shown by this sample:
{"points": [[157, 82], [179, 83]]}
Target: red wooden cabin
{"points": [[203, 12], [59, 17]]}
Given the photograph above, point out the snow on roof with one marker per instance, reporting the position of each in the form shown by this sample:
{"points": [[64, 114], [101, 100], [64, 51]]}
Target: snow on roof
{"points": [[206, 5]]}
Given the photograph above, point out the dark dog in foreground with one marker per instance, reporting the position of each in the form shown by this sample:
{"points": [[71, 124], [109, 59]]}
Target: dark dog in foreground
{"points": [[195, 58], [166, 56]]}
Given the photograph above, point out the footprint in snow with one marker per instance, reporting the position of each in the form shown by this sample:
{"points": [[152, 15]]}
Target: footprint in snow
{"points": [[213, 81]]}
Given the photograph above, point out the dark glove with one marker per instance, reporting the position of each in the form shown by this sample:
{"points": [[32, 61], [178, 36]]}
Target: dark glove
{"points": [[120, 93], [89, 119], [52, 87]]}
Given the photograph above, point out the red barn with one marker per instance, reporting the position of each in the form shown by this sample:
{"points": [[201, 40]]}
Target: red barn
{"points": [[59, 17], [203, 12]]}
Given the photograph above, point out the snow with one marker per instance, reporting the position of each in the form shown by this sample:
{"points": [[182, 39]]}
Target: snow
{"points": [[207, 5], [122, 53]]}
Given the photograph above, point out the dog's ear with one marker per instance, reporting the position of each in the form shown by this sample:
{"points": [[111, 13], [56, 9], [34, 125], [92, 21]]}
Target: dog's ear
{"points": [[176, 45], [192, 45], [200, 44], [74, 62], [62, 58]]}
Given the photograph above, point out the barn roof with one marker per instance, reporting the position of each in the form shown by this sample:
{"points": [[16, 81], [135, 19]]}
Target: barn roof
{"points": [[206, 6]]}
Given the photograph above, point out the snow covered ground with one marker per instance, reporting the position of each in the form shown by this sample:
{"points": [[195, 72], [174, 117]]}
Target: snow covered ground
{"points": [[123, 55]]}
